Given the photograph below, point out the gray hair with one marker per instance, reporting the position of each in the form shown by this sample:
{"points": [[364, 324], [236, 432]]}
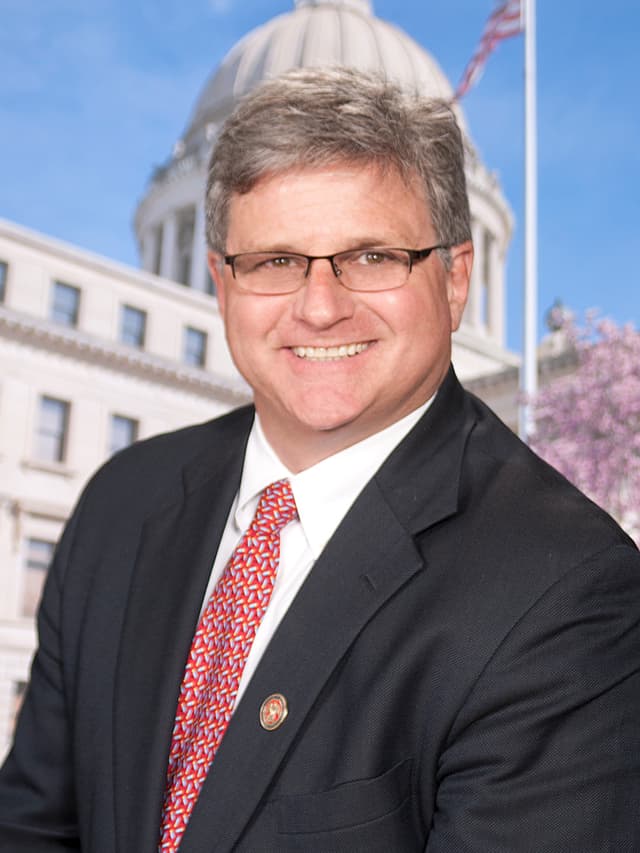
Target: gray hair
{"points": [[316, 117]]}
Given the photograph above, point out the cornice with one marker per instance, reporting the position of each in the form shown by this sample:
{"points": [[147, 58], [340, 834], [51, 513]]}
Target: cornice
{"points": [[42, 334], [549, 367], [113, 269], [18, 506], [164, 179], [466, 336]]}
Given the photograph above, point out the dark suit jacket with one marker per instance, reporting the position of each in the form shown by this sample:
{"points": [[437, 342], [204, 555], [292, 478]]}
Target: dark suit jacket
{"points": [[461, 665]]}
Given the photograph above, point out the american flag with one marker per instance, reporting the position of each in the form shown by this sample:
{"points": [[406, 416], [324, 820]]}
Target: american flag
{"points": [[505, 21]]}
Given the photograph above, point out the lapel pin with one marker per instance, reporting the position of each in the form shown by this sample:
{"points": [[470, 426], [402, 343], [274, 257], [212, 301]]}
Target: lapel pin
{"points": [[273, 712]]}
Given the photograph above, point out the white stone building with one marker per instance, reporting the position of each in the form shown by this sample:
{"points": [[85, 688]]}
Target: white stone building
{"points": [[94, 354]]}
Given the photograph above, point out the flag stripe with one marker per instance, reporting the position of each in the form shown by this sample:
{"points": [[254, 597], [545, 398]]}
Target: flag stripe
{"points": [[504, 22]]}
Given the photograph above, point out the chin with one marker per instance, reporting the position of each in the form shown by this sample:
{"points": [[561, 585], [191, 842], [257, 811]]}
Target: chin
{"points": [[326, 424], [327, 420]]}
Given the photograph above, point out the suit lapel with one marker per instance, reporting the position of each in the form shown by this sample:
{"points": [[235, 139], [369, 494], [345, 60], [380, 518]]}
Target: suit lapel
{"points": [[175, 555], [371, 555], [421, 479]]}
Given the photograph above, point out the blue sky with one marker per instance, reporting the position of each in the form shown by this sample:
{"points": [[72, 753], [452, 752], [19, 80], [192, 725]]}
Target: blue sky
{"points": [[94, 95]]}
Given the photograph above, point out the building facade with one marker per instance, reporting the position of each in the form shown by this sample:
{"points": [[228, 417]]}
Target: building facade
{"points": [[94, 356]]}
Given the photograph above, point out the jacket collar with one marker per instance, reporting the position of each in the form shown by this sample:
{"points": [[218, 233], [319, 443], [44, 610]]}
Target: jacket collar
{"points": [[421, 478]]}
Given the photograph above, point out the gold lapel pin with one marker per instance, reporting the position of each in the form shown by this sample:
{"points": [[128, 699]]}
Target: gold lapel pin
{"points": [[273, 712]]}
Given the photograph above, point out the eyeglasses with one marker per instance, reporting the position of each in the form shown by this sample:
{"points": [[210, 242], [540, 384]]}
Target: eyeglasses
{"points": [[367, 269]]}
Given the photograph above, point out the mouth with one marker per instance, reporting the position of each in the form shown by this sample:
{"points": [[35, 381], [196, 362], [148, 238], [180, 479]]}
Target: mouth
{"points": [[330, 353]]}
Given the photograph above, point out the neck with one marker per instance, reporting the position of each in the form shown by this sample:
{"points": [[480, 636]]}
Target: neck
{"points": [[301, 452], [299, 448]]}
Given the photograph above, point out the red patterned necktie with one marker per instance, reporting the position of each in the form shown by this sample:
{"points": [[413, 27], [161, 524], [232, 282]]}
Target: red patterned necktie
{"points": [[218, 654]]}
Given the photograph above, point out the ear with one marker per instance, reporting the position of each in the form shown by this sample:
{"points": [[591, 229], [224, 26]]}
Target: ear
{"points": [[215, 262], [459, 280]]}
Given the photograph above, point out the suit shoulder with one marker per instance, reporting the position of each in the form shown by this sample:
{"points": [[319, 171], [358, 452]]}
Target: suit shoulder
{"points": [[529, 494], [153, 462]]}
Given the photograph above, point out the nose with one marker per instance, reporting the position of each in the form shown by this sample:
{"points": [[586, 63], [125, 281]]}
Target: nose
{"points": [[322, 301]]}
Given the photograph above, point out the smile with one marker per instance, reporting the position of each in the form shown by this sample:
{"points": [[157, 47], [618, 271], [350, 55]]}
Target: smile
{"points": [[330, 353]]}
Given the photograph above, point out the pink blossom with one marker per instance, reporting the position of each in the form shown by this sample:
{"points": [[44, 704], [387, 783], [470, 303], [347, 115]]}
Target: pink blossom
{"points": [[588, 423]]}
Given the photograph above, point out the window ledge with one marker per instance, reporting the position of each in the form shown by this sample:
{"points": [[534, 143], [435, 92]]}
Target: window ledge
{"points": [[60, 468]]}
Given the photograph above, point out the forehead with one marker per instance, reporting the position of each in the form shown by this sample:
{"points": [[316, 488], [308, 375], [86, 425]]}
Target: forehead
{"points": [[329, 205], [349, 170]]}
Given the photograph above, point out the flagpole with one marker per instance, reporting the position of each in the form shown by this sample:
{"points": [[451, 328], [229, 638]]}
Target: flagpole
{"points": [[529, 368]]}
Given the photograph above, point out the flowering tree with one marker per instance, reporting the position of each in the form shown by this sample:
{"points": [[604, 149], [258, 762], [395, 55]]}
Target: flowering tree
{"points": [[587, 424]]}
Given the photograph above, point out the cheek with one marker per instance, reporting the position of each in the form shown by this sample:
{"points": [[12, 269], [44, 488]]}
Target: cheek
{"points": [[415, 313], [234, 325], [249, 322]]}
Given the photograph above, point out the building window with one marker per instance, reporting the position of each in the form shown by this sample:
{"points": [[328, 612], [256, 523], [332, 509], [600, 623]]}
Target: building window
{"points": [[53, 426], [123, 432], [4, 268], [194, 347], [65, 304], [133, 323], [38, 556], [186, 229]]}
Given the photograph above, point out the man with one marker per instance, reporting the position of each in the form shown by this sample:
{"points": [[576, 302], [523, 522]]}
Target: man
{"points": [[446, 651]]}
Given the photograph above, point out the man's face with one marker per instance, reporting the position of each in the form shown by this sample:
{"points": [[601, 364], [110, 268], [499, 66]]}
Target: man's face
{"points": [[310, 405]]}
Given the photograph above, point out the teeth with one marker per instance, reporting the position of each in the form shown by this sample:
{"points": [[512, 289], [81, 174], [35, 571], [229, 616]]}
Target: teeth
{"points": [[330, 353]]}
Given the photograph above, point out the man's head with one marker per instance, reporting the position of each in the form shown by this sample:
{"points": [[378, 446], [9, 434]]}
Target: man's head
{"points": [[318, 163]]}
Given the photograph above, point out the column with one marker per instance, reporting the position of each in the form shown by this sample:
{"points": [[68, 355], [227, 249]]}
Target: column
{"points": [[169, 240], [149, 248], [495, 284], [474, 304], [198, 252]]}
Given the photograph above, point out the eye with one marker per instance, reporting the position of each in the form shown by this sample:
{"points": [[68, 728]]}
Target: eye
{"points": [[374, 257], [282, 262]]}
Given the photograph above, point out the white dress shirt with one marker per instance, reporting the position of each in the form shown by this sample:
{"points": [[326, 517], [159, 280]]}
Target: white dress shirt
{"points": [[323, 495]]}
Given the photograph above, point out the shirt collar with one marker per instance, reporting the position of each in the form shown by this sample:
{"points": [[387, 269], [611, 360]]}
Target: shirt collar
{"points": [[325, 491]]}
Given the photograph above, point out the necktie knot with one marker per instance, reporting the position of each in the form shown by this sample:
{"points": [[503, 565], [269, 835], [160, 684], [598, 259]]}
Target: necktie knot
{"points": [[276, 507]]}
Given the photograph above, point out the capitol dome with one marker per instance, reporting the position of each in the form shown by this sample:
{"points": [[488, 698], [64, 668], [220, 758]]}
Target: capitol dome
{"points": [[169, 220], [316, 33]]}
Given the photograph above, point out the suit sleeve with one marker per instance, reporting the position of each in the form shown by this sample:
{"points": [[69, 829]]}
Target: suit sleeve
{"points": [[37, 798], [544, 755]]}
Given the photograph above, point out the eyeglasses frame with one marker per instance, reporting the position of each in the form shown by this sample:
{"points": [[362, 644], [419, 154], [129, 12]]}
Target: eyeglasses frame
{"points": [[415, 255]]}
